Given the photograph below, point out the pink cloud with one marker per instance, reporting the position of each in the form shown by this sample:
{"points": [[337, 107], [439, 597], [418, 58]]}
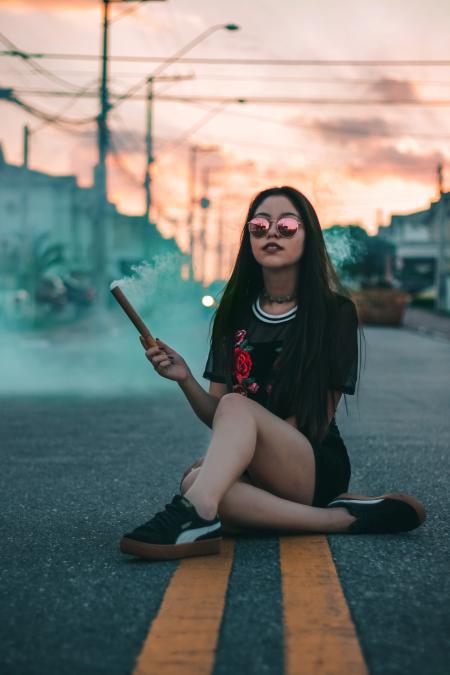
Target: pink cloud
{"points": [[370, 155], [380, 161], [394, 90], [345, 130]]}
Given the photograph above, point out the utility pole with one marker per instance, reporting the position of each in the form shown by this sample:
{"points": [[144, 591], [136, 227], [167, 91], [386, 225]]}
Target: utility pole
{"points": [[148, 165], [149, 148], [149, 153], [441, 258], [99, 257], [192, 204], [204, 205], [26, 266]]}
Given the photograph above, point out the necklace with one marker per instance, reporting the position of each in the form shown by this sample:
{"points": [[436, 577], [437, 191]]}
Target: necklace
{"points": [[284, 298]]}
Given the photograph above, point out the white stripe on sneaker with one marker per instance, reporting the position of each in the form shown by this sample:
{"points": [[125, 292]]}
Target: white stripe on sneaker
{"points": [[192, 535], [356, 501]]}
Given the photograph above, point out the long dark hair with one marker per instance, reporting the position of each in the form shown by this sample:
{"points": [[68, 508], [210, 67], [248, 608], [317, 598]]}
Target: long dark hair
{"points": [[302, 374]]}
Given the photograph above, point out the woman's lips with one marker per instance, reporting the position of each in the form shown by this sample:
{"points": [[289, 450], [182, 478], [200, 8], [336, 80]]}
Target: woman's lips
{"points": [[273, 249]]}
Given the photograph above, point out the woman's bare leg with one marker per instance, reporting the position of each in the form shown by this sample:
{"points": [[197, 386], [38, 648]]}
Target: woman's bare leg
{"points": [[229, 453], [280, 462], [246, 506]]}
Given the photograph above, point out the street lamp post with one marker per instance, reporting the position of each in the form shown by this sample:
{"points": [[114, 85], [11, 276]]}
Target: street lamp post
{"points": [[99, 242], [149, 117]]}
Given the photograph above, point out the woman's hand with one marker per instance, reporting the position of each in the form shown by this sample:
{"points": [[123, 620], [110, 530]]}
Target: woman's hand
{"points": [[166, 361]]}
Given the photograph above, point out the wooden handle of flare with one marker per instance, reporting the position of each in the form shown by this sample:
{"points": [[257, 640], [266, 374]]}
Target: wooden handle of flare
{"points": [[133, 316]]}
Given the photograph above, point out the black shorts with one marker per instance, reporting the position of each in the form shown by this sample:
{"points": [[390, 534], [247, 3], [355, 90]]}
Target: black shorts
{"points": [[333, 469]]}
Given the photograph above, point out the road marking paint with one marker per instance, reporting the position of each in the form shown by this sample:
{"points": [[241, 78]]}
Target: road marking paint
{"points": [[183, 636], [320, 637]]}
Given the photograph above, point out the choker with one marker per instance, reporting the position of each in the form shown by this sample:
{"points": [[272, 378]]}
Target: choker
{"points": [[284, 298]]}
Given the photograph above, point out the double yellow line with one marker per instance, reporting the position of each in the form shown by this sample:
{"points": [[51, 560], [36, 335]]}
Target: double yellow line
{"points": [[320, 636]]}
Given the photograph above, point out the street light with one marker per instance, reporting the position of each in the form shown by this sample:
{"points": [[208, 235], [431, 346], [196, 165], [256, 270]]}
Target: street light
{"points": [[149, 82]]}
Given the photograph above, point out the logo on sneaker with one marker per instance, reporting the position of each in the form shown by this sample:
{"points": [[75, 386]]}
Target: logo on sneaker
{"points": [[185, 525]]}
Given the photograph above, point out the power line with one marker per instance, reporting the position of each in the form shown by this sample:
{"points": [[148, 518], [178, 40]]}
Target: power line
{"points": [[267, 100], [58, 119], [171, 146], [36, 67], [314, 80], [9, 96], [273, 78], [264, 100], [240, 61], [212, 111], [65, 108]]}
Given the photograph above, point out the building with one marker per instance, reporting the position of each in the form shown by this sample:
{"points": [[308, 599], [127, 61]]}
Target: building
{"points": [[35, 206], [422, 240]]}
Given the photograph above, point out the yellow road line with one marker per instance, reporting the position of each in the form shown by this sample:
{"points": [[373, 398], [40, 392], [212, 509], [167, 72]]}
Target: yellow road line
{"points": [[183, 636], [319, 634], [320, 637]]}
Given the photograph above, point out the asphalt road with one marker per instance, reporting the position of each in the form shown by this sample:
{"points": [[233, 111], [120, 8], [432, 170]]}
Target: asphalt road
{"points": [[77, 473]]}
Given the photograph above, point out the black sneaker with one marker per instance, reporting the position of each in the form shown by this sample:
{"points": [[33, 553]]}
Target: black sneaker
{"points": [[176, 532], [390, 513]]}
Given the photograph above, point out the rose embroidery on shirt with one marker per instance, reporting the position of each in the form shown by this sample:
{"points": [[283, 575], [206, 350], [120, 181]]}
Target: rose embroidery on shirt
{"points": [[243, 364]]}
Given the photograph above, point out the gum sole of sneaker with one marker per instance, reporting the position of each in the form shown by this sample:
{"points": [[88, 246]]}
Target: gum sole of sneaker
{"points": [[412, 501], [169, 551]]}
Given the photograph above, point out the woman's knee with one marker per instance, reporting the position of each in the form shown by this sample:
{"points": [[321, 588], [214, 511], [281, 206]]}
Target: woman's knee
{"points": [[233, 404], [231, 400]]}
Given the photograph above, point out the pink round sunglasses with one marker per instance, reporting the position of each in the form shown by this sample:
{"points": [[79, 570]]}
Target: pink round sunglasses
{"points": [[286, 226]]}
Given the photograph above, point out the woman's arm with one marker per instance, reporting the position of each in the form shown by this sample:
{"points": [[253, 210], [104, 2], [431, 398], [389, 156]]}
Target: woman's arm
{"points": [[203, 404]]}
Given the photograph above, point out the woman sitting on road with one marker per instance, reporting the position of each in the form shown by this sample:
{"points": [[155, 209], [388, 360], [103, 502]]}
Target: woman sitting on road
{"points": [[284, 349]]}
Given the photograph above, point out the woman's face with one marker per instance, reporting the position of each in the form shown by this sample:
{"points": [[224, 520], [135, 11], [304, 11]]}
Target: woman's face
{"points": [[273, 208]]}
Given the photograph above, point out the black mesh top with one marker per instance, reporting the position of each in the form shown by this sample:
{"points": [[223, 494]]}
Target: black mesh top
{"points": [[261, 337]]}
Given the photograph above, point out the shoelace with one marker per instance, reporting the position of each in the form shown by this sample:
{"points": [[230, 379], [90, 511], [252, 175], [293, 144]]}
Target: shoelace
{"points": [[168, 517]]}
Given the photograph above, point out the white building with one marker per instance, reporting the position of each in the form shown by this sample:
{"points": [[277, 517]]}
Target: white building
{"points": [[33, 203]]}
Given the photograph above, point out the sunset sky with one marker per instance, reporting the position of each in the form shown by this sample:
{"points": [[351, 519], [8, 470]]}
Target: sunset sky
{"points": [[357, 163]]}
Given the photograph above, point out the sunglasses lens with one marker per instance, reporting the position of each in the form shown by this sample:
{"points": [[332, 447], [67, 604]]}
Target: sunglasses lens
{"points": [[258, 226], [287, 226]]}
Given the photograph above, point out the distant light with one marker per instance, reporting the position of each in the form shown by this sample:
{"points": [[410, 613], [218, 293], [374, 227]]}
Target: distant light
{"points": [[207, 301]]}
